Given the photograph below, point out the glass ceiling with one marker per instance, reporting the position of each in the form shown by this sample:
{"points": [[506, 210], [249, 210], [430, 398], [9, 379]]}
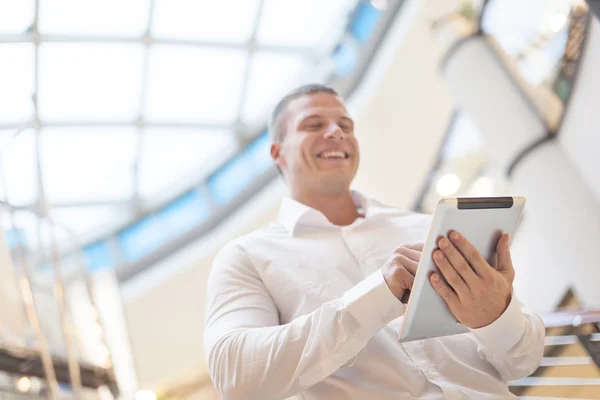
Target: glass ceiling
{"points": [[122, 105]]}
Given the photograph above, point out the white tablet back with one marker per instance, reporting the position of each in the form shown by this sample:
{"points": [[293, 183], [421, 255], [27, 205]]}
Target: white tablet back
{"points": [[481, 221]]}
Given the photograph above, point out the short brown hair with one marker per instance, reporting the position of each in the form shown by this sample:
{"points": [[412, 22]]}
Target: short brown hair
{"points": [[276, 129]]}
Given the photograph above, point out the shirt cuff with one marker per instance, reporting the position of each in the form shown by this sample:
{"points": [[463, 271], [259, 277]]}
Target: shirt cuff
{"points": [[372, 303], [504, 333]]}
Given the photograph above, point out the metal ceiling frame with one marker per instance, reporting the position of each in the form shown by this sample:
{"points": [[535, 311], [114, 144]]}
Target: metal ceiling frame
{"points": [[135, 205], [345, 84]]}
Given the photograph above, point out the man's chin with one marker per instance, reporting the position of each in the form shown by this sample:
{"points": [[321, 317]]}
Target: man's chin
{"points": [[336, 182]]}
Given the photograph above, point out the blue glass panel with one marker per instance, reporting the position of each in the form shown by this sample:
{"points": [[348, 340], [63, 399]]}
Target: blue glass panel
{"points": [[46, 267], [259, 153], [345, 58], [15, 237], [142, 238], [98, 256], [231, 179], [184, 214], [364, 21]]}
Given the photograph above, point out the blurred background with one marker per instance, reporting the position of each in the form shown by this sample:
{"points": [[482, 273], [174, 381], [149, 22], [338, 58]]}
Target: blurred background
{"points": [[133, 146]]}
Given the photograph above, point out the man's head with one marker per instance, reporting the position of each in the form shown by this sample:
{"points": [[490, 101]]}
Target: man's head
{"points": [[313, 141]]}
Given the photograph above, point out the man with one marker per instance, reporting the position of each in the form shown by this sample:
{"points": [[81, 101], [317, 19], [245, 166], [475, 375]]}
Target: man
{"points": [[310, 305]]}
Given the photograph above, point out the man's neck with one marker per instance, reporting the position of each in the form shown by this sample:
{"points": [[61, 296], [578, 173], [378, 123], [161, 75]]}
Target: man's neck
{"points": [[339, 209]]}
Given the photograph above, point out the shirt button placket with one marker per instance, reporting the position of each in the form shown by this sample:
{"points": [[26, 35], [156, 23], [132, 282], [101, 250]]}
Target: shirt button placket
{"points": [[353, 249]]}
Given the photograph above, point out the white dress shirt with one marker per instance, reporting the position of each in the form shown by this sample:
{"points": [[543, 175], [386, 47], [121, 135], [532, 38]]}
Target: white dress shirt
{"points": [[300, 307]]}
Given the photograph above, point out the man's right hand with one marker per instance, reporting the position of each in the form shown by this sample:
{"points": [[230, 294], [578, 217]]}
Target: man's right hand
{"points": [[399, 272]]}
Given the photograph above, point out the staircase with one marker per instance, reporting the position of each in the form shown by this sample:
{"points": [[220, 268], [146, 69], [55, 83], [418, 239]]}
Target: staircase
{"points": [[570, 368]]}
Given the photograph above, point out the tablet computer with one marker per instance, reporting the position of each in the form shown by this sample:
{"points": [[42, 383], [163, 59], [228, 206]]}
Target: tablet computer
{"points": [[482, 221]]}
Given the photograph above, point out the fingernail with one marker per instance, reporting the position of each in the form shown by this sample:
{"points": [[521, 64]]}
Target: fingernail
{"points": [[435, 278], [444, 243], [438, 255], [455, 236]]}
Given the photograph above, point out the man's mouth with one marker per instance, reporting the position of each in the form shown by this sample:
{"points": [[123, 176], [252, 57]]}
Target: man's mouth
{"points": [[333, 155]]}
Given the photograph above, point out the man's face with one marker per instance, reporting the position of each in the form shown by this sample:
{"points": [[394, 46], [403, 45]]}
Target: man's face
{"points": [[319, 150]]}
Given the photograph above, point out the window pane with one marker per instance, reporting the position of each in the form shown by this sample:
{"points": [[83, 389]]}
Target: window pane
{"points": [[18, 161], [179, 217], [88, 164], [141, 239], [231, 179], [16, 82], [304, 22], [26, 224], [518, 24], [6, 136], [345, 58], [271, 76], [99, 256], [172, 159], [259, 153], [540, 65], [217, 21], [187, 84], [364, 22], [90, 81], [185, 213], [16, 16], [93, 17], [88, 223]]}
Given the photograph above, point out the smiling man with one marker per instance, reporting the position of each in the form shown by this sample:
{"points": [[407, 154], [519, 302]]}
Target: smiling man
{"points": [[310, 305]]}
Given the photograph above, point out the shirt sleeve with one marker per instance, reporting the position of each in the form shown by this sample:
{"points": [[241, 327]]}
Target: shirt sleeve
{"points": [[251, 356], [514, 343]]}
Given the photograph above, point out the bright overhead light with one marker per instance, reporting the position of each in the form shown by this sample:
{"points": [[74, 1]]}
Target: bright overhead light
{"points": [[145, 395], [448, 184], [557, 21], [24, 384]]}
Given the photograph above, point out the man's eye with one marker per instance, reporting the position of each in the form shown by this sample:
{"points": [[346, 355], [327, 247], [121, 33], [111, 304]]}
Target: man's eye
{"points": [[313, 127]]}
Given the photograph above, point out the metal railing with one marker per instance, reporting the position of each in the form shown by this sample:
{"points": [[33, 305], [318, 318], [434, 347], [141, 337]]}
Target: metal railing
{"points": [[571, 363], [37, 360]]}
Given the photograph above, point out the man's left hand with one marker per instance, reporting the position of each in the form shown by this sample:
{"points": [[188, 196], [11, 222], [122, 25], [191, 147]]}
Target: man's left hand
{"points": [[476, 293]]}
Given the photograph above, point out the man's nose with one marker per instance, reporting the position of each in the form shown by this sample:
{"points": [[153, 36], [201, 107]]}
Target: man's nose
{"points": [[334, 132]]}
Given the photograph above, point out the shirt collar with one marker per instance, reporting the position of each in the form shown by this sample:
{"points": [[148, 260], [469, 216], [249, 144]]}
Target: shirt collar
{"points": [[293, 214]]}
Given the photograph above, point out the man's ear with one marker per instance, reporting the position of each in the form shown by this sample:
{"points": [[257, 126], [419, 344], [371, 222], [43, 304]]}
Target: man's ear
{"points": [[276, 153]]}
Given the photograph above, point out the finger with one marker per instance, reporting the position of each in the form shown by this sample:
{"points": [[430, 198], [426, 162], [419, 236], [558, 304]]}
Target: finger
{"points": [[416, 246], [403, 261], [406, 277], [444, 290], [414, 255], [470, 254], [505, 265], [405, 297], [458, 261], [452, 276]]}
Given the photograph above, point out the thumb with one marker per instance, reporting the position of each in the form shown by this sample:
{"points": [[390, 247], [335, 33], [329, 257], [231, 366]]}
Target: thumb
{"points": [[505, 266]]}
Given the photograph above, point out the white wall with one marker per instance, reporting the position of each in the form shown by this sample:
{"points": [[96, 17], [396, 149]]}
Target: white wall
{"points": [[401, 127]]}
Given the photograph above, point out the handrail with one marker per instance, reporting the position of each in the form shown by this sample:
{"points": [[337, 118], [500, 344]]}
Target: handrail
{"points": [[546, 381], [20, 360], [572, 318], [568, 339], [50, 369], [565, 361]]}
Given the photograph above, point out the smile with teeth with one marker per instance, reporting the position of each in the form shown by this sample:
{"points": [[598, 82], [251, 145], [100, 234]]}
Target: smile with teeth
{"points": [[333, 154]]}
